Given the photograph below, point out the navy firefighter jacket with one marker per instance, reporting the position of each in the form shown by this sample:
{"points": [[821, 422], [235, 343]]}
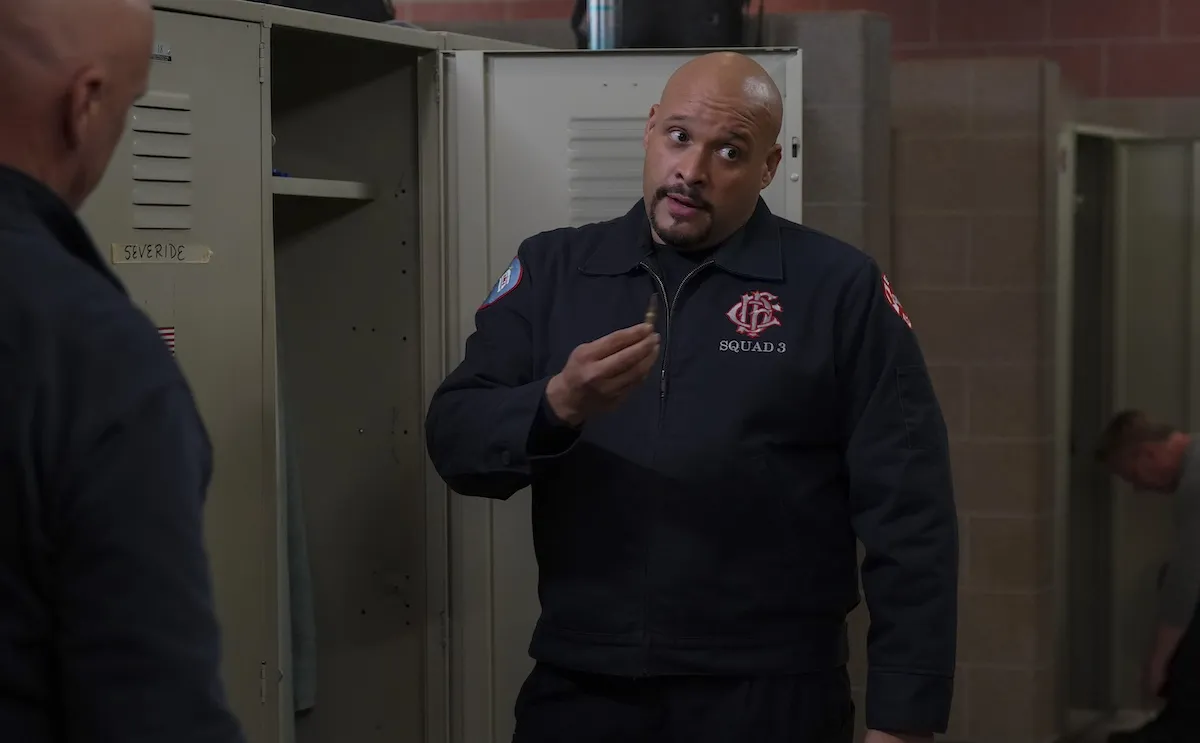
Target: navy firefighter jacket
{"points": [[708, 524], [108, 630]]}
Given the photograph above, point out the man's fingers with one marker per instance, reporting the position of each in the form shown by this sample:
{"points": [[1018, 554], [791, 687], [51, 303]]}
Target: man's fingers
{"points": [[627, 381], [617, 341], [627, 358], [634, 374]]}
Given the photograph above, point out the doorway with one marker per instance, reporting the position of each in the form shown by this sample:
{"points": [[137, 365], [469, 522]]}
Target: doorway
{"points": [[1128, 262], [1089, 504]]}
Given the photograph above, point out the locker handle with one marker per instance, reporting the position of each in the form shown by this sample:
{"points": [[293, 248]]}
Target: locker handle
{"points": [[795, 147]]}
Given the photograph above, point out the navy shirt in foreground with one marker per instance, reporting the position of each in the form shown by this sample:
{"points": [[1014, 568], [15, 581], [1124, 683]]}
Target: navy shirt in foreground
{"points": [[107, 625], [708, 525]]}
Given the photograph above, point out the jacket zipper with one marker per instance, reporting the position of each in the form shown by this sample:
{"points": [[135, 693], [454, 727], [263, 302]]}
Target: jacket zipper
{"points": [[662, 406], [666, 346]]}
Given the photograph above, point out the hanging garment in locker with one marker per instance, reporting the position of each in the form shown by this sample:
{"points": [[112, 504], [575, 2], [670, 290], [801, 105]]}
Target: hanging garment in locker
{"points": [[300, 587]]}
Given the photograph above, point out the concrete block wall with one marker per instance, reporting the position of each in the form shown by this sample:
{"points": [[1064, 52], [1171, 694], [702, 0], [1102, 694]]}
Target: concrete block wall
{"points": [[1131, 61], [971, 211]]}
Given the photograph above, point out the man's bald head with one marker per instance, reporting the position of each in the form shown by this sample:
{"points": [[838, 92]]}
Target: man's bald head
{"points": [[69, 71], [734, 76], [711, 147]]}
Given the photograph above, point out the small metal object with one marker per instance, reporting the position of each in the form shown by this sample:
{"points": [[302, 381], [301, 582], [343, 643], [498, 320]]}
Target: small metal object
{"points": [[602, 24], [652, 310]]}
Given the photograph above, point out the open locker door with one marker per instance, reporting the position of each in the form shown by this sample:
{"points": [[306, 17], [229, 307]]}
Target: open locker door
{"points": [[538, 140], [1156, 365]]}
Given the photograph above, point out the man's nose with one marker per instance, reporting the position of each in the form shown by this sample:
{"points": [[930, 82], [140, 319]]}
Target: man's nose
{"points": [[692, 167]]}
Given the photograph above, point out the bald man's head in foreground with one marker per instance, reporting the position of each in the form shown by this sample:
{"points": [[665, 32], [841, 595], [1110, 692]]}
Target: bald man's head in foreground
{"points": [[69, 72], [711, 148]]}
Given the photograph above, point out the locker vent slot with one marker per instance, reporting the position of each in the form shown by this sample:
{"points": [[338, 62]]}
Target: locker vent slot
{"points": [[604, 167], [162, 191]]}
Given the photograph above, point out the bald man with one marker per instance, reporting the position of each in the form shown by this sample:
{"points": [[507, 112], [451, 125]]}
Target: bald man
{"points": [[107, 628], [711, 403]]}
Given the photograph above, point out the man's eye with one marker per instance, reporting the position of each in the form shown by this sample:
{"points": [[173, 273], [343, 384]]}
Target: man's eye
{"points": [[729, 153], [677, 136]]}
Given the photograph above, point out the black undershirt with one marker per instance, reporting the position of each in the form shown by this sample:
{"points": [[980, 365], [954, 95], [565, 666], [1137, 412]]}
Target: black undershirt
{"points": [[674, 265]]}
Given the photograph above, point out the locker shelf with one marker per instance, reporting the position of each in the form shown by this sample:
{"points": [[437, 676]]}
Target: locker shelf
{"points": [[321, 189]]}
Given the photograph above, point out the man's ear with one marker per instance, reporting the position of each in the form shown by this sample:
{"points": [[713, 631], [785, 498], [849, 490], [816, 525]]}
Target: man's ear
{"points": [[773, 159], [82, 105], [649, 126]]}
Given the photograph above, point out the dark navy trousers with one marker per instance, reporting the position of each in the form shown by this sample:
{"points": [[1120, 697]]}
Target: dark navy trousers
{"points": [[559, 706]]}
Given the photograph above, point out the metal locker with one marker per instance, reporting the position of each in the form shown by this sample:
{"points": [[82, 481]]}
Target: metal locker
{"points": [[567, 127], [268, 210], [347, 288], [178, 214]]}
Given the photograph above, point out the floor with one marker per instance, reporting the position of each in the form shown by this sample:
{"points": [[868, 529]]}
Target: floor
{"points": [[1098, 733]]}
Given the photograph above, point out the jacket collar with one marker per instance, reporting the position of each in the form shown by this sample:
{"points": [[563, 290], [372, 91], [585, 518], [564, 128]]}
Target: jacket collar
{"points": [[26, 202], [753, 252]]}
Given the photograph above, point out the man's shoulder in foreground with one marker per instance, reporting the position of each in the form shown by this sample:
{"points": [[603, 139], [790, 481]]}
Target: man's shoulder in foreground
{"points": [[108, 464], [72, 325]]}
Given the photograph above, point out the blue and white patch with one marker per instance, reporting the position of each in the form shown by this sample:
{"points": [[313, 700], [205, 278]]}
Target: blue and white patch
{"points": [[506, 283]]}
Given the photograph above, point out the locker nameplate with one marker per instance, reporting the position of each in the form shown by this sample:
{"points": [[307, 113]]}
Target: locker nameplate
{"points": [[160, 252]]}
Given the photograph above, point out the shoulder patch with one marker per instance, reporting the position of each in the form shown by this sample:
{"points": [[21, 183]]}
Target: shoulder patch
{"points": [[894, 302], [506, 283]]}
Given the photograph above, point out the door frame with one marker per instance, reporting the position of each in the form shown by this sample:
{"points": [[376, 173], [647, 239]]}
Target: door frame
{"points": [[1121, 301], [1063, 200]]}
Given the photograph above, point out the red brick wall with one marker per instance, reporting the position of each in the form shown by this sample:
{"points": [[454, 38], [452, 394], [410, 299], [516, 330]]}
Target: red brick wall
{"points": [[1106, 48]]}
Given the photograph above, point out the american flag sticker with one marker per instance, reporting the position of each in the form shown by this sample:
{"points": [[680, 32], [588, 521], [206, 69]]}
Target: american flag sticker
{"points": [[168, 336]]}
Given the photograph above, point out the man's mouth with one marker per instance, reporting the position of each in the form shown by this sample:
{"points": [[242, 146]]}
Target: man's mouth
{"points": [[684, 201]]}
